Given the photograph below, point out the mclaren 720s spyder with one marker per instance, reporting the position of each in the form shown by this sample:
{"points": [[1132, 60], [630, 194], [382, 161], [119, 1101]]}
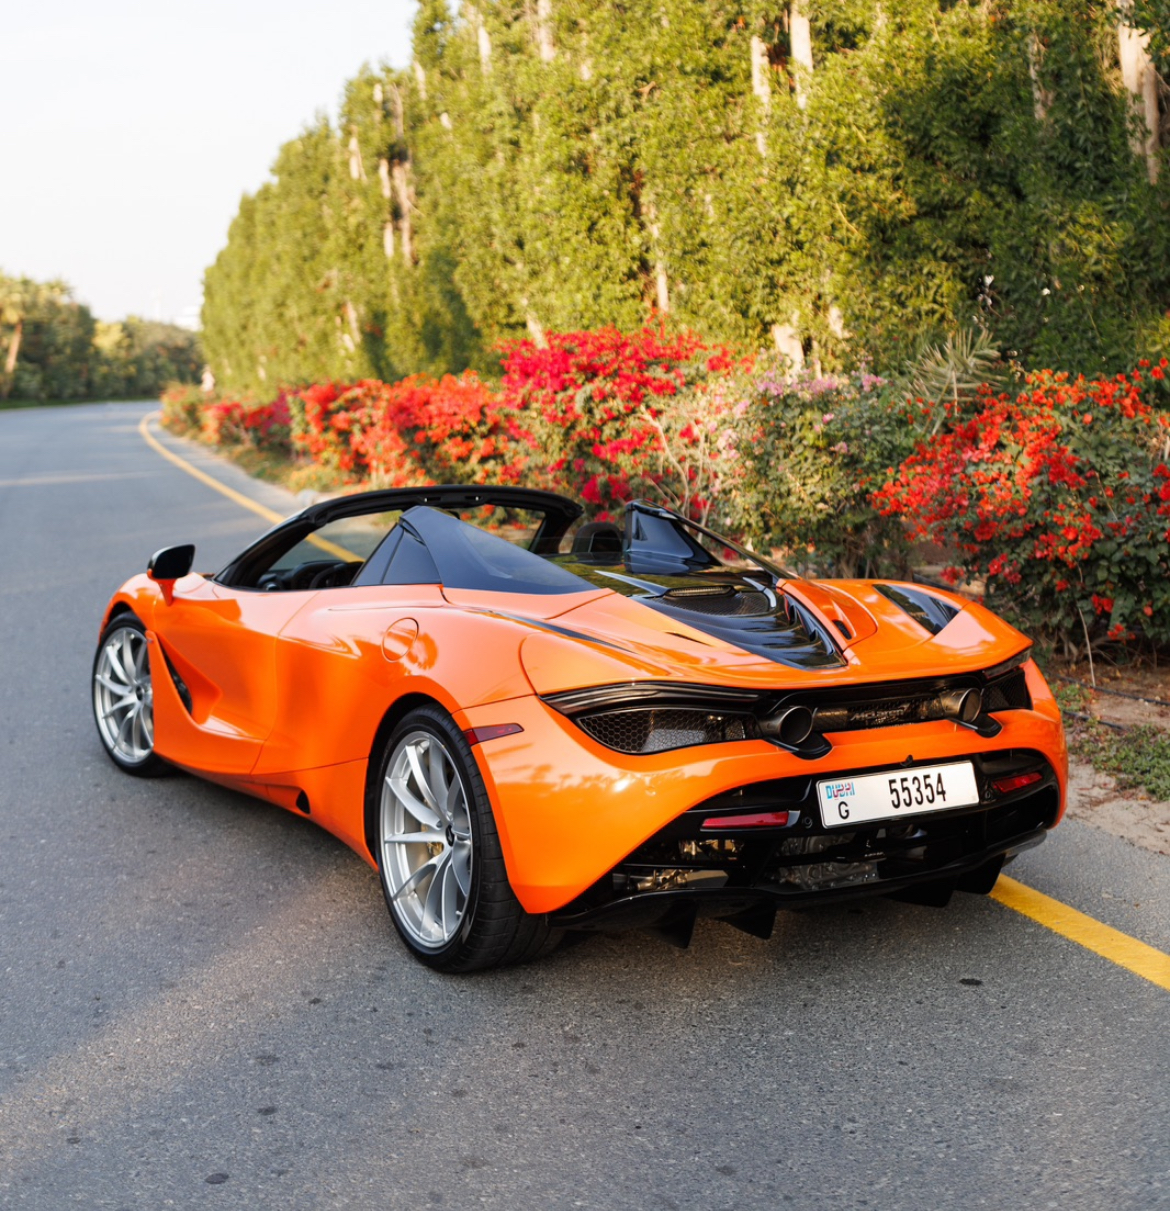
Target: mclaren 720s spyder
{"points": [[531, 725]]}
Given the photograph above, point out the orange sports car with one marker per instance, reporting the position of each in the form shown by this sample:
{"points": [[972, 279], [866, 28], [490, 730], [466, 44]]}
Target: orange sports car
{"points": [[529, 725]]}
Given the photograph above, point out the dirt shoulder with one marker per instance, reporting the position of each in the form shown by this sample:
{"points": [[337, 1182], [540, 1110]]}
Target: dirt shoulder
{"points": [[1095, 798], [1134, 699]]}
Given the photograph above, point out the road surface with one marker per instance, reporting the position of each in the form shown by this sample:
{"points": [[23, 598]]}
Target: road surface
{"points": [[203, 1003]]}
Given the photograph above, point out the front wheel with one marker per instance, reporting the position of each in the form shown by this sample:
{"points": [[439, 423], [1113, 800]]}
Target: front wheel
{"points": [[123, 698], [439, 854]]}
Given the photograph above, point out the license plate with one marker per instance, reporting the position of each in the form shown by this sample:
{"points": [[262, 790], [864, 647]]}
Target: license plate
{"points": [[909, 792]]}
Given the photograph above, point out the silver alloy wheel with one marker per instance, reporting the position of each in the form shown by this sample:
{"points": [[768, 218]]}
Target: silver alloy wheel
{"points": [[123, 698], [426, 842]]}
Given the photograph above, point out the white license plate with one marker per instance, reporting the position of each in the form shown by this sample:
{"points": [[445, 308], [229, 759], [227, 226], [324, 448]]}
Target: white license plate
{"points": [[908, 792]]}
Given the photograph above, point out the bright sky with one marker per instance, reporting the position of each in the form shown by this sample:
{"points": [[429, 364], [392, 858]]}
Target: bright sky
{"points": [[132, 127]]}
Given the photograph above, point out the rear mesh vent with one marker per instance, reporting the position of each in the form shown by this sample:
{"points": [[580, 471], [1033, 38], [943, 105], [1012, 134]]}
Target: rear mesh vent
{"points": [[607, 715], [1009, 693], [655, 731]]}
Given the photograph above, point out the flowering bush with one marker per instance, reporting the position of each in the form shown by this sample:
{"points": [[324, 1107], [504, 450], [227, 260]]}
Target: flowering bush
{"points": [[1059, 499], [232, 423], [189, 413], [321, 420], [591, 403], [412, 432], [584, 415], [182, 409], [803, 456], [422, 431]]}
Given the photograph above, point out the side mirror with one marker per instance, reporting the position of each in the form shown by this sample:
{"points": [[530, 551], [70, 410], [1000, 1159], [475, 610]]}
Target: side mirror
{"points": [[171, 562]]}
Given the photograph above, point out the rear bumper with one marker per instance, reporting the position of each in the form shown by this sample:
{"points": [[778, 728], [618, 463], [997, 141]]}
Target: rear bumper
{"points": [[571, 813], [686, 869]]}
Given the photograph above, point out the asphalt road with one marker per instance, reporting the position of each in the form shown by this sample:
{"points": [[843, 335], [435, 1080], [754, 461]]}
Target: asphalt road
{"points": [[203, 1003]]}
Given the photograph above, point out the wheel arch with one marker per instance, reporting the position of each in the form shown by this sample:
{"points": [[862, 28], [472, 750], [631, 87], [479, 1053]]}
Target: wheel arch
{"points": [[116, 610], [132, 598]]}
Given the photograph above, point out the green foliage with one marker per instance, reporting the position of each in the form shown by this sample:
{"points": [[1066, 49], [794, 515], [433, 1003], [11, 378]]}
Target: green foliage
{"points": [[182, 409], [1153, 17], [942, 167], [1138, 757], [1071, 695], [950, 371], [57, 350], [808, 453], [138, 357]]}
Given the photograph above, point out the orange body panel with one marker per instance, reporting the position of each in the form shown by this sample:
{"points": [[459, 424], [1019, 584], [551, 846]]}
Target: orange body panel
{"points": [[288, 691], [570, 809]]}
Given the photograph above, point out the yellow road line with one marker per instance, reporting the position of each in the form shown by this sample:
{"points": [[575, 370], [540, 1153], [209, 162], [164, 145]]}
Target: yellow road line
{"points": [[240, 499], [1101, 939], [202, 476]]}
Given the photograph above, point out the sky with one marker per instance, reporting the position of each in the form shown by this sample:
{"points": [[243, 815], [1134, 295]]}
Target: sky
{"points": [[132, 128]]}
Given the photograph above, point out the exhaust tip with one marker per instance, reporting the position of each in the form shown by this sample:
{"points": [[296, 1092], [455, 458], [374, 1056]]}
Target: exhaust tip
{"points": [[963, 706], [792, 726]]}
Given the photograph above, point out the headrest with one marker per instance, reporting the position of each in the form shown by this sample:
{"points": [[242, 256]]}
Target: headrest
{"points": [[598, 538]]}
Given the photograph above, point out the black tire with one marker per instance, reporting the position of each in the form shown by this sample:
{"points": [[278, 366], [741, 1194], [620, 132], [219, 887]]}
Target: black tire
{"points": [[446, 887], [123, 700]]}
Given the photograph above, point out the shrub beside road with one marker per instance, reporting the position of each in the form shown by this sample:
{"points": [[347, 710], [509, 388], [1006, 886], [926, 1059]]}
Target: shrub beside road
{"points": [[1053, 500]]}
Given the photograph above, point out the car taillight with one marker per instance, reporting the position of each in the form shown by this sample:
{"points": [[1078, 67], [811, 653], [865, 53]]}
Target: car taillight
{"points": [[477, 735], [755, 820], [1016, 782]]}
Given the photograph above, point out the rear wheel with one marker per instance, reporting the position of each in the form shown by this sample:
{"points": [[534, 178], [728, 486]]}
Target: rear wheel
{"points": [[439, 853], [123, 698]]}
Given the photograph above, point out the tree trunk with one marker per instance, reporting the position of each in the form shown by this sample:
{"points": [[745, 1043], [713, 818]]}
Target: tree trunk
{"points": [[761, 86], [1141, 82], [1041, 96], [800, 37], [787, 341], [13, 352], [662, 283], [482, 38], [400, 178], [405, 205], [544, 38], [357, 170], [534, 326]]}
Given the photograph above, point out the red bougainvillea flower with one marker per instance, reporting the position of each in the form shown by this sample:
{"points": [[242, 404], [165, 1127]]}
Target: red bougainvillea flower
{"points": [[1067, 517]]}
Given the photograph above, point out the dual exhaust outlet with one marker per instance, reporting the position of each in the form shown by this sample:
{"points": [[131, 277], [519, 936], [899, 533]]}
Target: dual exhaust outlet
{"points": [[791, 726]]}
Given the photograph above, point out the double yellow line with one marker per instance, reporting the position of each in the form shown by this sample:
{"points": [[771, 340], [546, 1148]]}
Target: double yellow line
{"points": [[1084, 930]]}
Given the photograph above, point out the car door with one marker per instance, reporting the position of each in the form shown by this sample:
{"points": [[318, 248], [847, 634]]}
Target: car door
{"points": [[219, 640], [219, 644]]}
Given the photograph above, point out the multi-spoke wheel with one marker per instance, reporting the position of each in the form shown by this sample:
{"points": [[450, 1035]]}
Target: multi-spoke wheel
{"points": [[439, 854], [123, 699], [426, 840]]}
